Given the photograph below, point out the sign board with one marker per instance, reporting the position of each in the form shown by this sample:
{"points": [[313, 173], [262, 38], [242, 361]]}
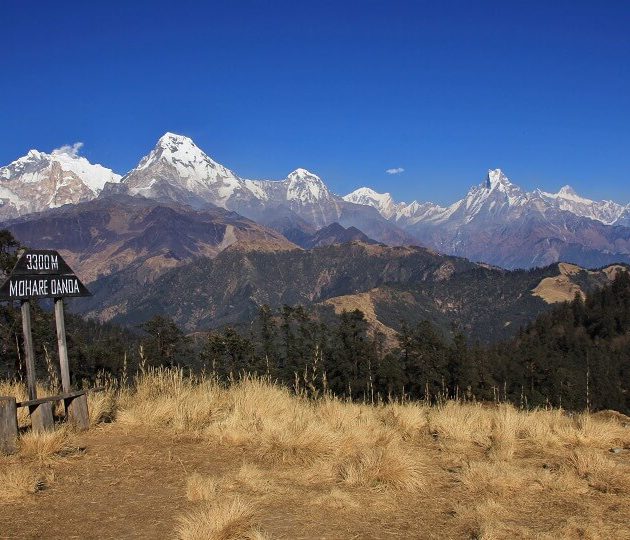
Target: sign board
{"points": [[42, 274]]}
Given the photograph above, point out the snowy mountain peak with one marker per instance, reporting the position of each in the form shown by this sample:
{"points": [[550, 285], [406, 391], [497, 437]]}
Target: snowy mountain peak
{"points": [[303, 174], [304, 186], [177, 164], [366, 195], [38, 181], [182, 153], [608, 212], [496, 178], [567, 192], [35, 167], [173, 140], [383, 202], [34, 154]]}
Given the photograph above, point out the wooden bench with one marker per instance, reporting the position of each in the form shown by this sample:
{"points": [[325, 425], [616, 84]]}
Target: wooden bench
{"points": [[41, 412]]}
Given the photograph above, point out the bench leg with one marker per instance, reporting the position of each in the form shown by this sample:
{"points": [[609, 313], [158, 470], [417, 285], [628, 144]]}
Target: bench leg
{"points": [[77, 411], [8, 425], [42, 417]]}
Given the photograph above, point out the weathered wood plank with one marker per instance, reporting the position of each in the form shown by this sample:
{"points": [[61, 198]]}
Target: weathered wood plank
{"points": [[58, 397], [8, 425], [42, 417], [78, 414]]}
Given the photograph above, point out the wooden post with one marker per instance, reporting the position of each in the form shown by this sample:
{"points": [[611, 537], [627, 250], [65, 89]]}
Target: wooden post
{"points": [[8, 425], [42, 417], [61, 344], [77, 408], [28, 350]]}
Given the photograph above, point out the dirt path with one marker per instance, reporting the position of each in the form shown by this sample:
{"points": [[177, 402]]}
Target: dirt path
{"points": [[131, 483], [127, 484]]}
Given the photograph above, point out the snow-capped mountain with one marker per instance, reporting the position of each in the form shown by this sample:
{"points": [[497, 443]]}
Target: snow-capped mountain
{"points": [[177, 169], [500, 223], [494, 196], [496, 222], [38, 181], [302, 192], [383, 202], [607, 212], [624, 218]]}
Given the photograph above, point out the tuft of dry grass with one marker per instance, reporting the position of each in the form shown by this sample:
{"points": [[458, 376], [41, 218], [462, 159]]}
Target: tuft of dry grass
{"points": [[388, 466], [458, 425], [45, 446], [409, 420], [507, 426], [102, 406], [201, 488], [18, 480], [601, 472], [230, 519]]}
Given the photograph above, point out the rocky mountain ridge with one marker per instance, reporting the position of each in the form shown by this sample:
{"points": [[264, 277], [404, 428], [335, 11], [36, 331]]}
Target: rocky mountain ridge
{"points": [[38, 181], [496, 222]]}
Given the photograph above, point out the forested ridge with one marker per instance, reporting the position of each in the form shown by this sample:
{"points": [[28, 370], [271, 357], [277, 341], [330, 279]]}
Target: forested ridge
{"points": [[575, 356]]}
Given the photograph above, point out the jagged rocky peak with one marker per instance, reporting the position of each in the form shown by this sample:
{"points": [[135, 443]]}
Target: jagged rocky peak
{"points": [[305, 175], [567, 192], [39, 181], [174, 141], [176, 168], [497, 179], [177, 149], [305, 186], [35, 167]]}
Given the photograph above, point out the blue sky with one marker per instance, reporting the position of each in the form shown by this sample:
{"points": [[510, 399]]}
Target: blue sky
{"points": [[444, 90]]}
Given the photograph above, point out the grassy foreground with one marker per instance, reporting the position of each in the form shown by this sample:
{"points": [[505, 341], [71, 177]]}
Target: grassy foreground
{"points": [[269, 464]]}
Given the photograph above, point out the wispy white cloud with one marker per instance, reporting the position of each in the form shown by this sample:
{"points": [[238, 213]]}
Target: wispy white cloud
{"points": [[69, 149], [397, 170]]}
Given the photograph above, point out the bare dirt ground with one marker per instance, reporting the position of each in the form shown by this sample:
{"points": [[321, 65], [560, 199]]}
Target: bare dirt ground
{"points": [[131, 483]]}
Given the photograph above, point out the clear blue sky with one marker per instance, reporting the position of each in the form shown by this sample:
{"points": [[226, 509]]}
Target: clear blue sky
{"points": [[443, 89]]}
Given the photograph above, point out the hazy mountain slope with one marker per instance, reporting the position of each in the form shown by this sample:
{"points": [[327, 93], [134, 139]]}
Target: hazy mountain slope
{"points": [[335, 234], [109, 234], [231, 287]]}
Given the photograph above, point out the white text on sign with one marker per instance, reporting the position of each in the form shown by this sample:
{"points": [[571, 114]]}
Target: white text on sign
{"points": [[38, 261]]}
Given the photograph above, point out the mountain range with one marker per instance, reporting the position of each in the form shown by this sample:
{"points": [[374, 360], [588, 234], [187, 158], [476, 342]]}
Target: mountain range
{"points": [[211, 267], [496, 222], [184, 236]]}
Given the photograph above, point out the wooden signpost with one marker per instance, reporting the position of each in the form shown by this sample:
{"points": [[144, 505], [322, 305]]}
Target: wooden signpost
{"points": [[42, 274]]}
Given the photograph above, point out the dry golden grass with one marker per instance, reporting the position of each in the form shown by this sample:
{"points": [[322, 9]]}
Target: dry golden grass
{"points": [[601, 472], [230, 519], [18, 480], [102, 406], [408, 470], [48, 445]]}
